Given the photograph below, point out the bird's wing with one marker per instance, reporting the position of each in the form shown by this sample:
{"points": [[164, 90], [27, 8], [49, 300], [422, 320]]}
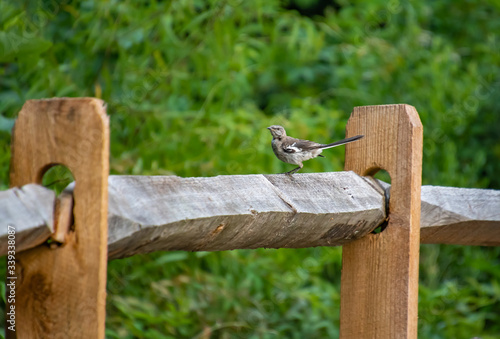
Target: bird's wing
{"points": [[292, 145]]}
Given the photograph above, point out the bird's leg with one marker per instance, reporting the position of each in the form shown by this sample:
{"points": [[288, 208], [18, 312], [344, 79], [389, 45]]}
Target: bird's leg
{"points": [[295, 170]]}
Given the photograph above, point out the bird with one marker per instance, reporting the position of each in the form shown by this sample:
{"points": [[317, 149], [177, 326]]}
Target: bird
{"points": [[295, 151]]}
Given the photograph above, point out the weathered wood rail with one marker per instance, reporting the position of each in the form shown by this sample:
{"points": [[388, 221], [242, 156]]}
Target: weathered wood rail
{"points": [[160, 213]]}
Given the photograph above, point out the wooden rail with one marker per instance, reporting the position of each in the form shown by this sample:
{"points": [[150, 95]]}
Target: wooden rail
{"points": [[460, 216], [148, 214]]}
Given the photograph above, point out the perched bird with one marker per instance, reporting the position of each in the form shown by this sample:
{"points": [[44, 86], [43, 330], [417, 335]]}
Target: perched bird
{"points": [[295, 151]]}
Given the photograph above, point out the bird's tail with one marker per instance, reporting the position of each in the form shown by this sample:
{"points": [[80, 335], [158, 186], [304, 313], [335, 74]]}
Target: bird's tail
{"points": [[341, 142]]}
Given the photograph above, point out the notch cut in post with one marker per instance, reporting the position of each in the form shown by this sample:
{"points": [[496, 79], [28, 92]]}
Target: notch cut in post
{"points": [[61, 291], [379, 284]]}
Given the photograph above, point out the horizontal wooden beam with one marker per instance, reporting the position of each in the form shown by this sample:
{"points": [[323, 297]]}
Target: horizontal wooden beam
{"points": [[28, 213], [460, 216], [148, 214]]}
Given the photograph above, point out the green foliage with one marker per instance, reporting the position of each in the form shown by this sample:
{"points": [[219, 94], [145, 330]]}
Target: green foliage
{"points": [[191, 86], [57, 178], [247, 294]]}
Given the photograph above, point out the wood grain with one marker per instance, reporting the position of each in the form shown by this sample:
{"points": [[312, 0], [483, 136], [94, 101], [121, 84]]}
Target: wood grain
{"points": [[61, 291], [460, 216], [379, 284], [30, 209], [449, 215], [148, 214], [63, 217]]}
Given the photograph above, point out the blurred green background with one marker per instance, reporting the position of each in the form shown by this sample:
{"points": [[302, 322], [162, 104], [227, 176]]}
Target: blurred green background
{"points": [[191, 86]]}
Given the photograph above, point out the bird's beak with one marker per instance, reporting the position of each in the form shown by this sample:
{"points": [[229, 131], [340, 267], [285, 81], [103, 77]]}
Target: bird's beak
{"points": [[269, 128]]}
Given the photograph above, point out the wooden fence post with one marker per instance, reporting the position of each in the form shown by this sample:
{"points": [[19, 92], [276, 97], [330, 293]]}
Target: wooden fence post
{"points": [[379, 285], [61, 292]]}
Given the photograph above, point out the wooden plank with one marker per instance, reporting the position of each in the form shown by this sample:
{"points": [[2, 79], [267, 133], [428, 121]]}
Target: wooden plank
{"points": [[60, 292], [460, 216], [450, 215], [233, 212], [63, 217], [30, 211], [379, 283]]}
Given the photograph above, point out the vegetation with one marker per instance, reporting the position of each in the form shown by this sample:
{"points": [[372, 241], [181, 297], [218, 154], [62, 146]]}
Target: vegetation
{"points": [[191, 86]]}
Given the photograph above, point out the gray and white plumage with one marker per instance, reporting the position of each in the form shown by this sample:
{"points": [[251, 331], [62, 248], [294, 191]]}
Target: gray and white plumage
{"points": [[295, 151]]}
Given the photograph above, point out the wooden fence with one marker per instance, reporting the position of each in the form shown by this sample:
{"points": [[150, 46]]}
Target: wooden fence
{"points": [[62, 243]]}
